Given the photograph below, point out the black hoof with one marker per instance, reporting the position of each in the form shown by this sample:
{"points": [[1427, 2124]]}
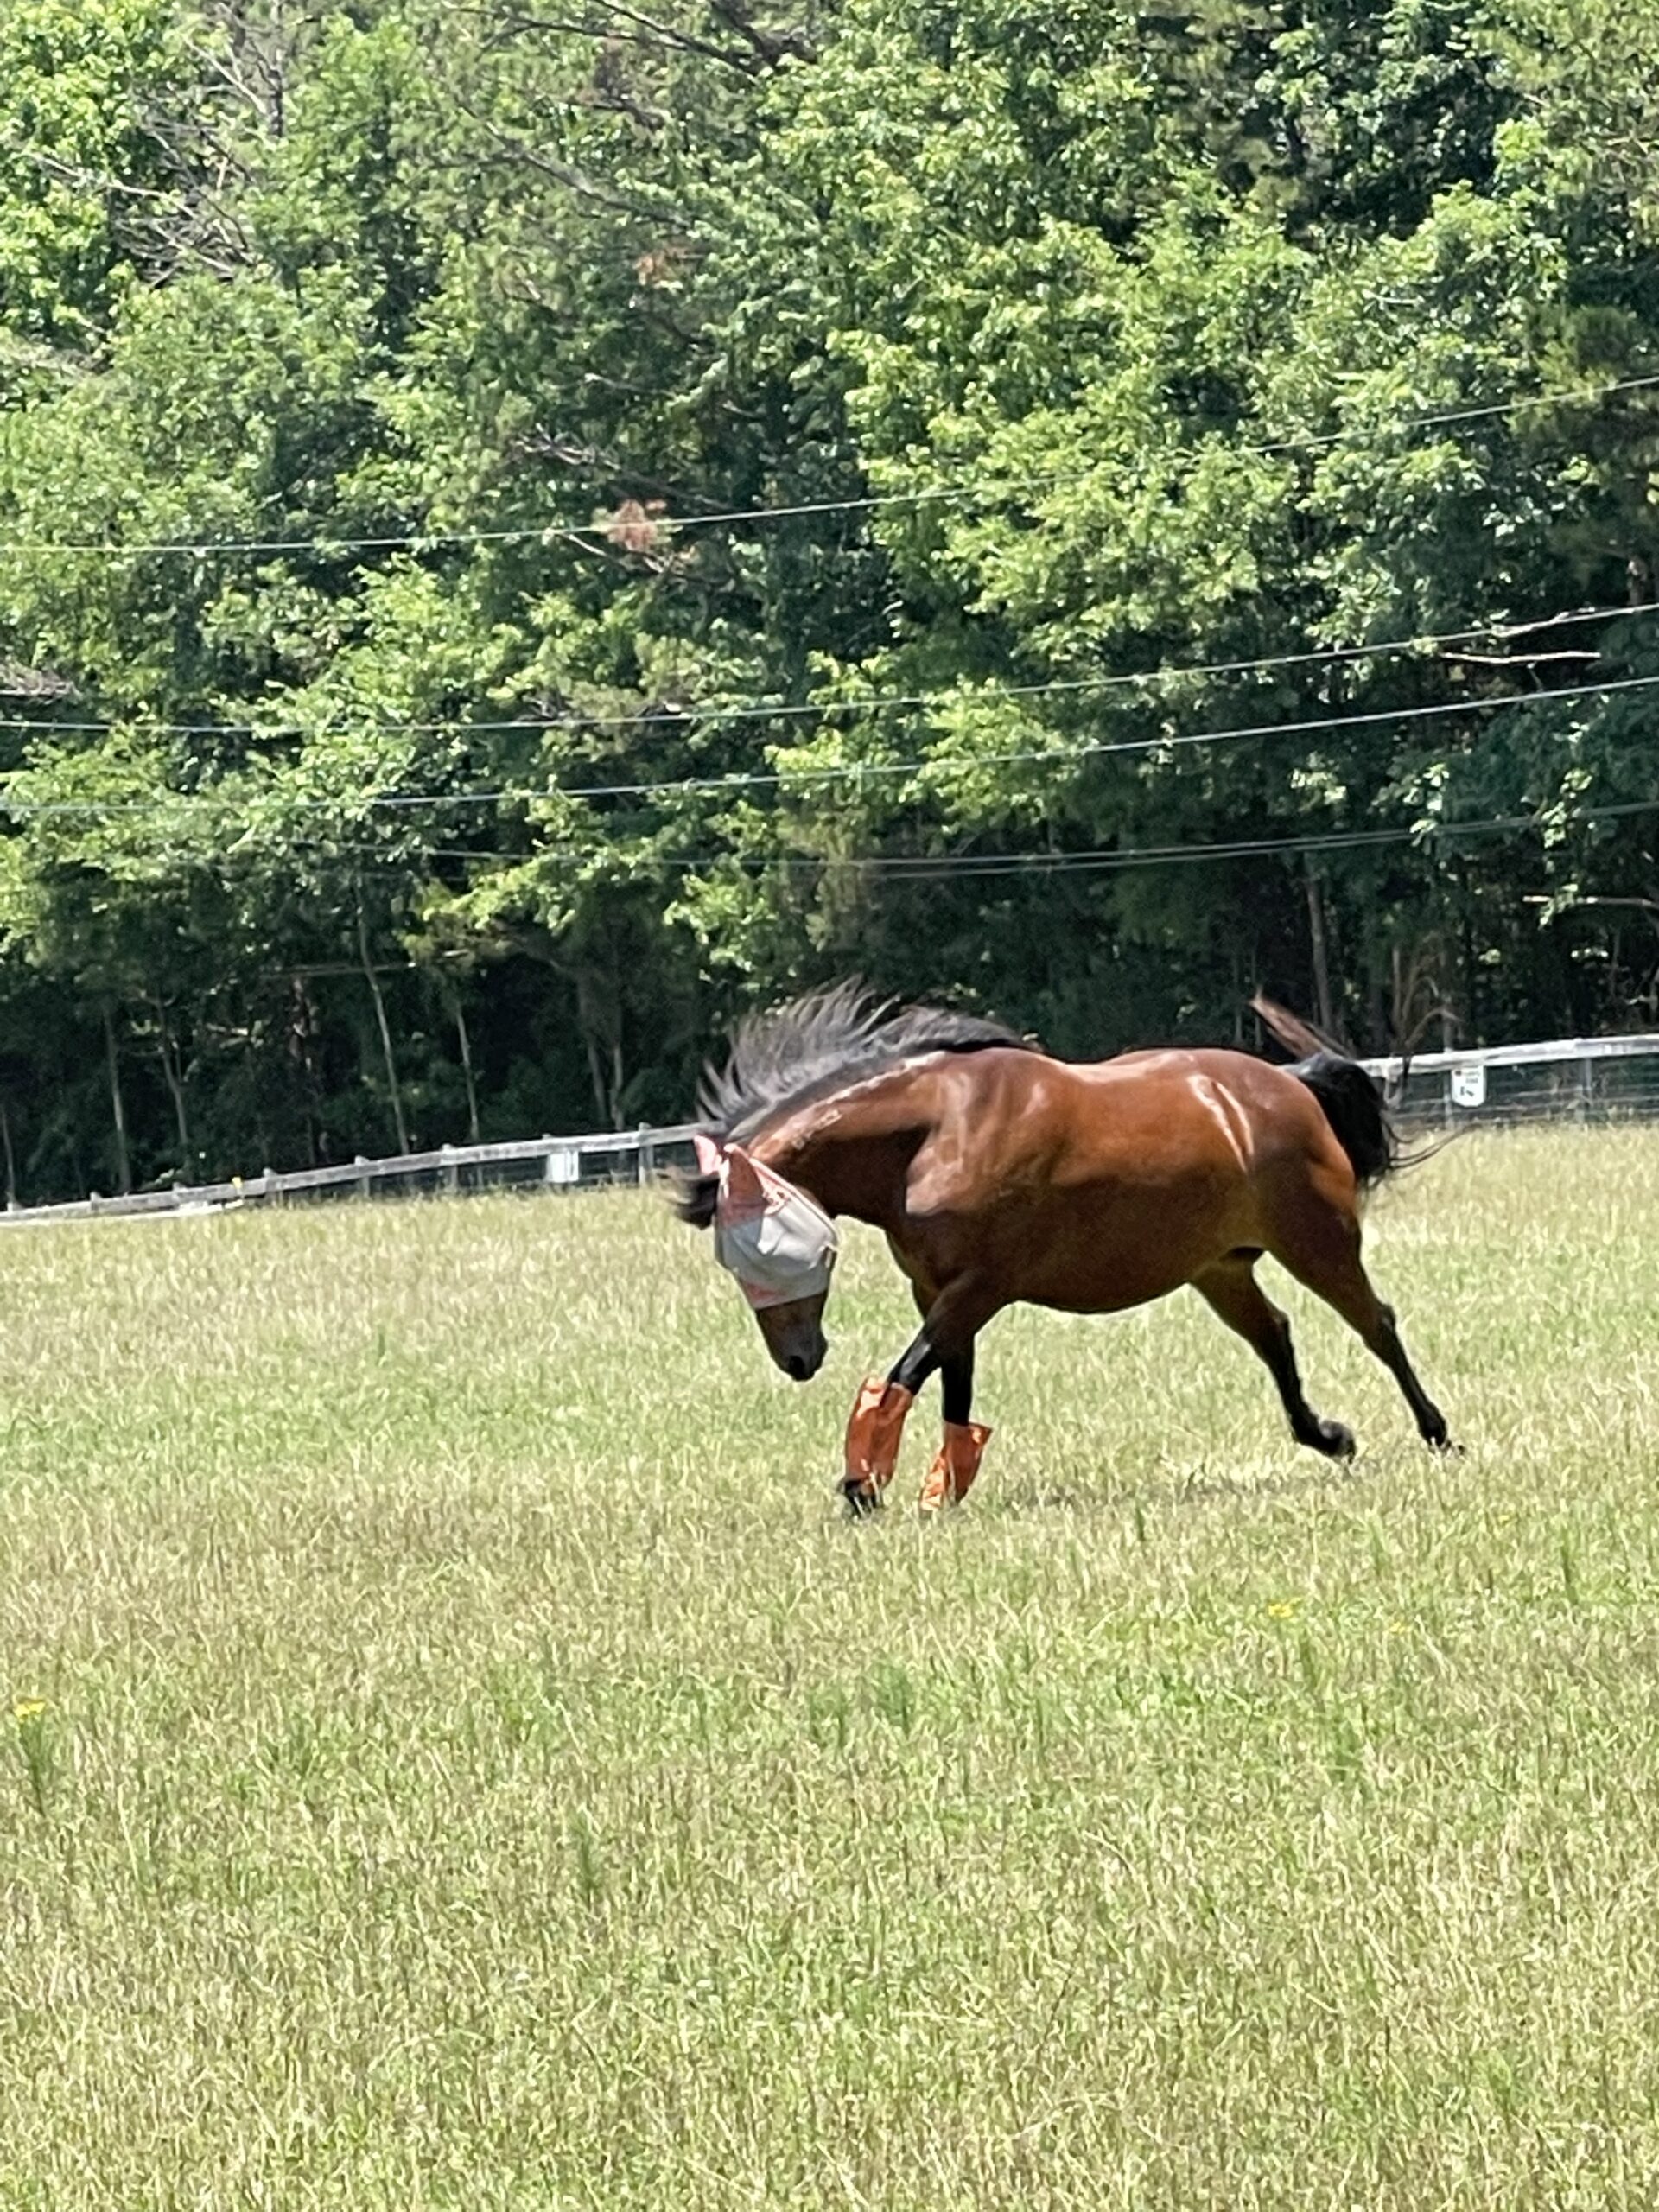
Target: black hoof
{"points": [[1445, 1446], [1333, 1439], [862, 1499]]}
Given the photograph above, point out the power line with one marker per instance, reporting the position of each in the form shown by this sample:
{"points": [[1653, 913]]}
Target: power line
{"points": [[883, 702], [1242, 849], [839, 771], [327, 545], [1055, 756], [899, 867]]}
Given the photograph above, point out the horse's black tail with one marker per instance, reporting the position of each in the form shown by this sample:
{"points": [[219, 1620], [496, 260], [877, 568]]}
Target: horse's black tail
{"points": [[1351, 1098]]}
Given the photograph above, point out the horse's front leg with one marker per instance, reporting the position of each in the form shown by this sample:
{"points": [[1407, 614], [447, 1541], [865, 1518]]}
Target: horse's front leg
{"points": [[956, 1461], [945, 1341], [876, 1428]]}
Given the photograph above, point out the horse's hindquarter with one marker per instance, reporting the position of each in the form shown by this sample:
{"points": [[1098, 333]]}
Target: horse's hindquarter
{"points": [[1090, 1188]]}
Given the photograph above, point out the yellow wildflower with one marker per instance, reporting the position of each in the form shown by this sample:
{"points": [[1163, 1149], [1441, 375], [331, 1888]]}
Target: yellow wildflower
{"points": [[1282, 1609], [27, 1709]]}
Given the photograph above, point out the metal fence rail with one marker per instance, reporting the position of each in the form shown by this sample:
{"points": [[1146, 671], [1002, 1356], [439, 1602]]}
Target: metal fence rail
{"points": [[1570, 1079], [553, 1163], [1574, 1079]]}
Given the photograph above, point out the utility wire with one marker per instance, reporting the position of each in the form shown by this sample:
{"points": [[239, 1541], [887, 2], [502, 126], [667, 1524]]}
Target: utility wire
{"points": [[1241, 849], [1055, 756], [902, 867], [956, 695], [329, 546]]}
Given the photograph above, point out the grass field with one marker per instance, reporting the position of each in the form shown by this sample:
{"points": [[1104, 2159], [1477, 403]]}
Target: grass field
{"points": [[478, 1767]]}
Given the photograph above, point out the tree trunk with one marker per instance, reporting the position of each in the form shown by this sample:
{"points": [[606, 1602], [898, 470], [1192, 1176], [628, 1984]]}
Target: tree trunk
{"points": [[119, 1108], [1471, 959], [373, 983], [1322, 955], [596, 1072], [302, 1024], [11, 1163], [464, 1038], [174, 1074]]}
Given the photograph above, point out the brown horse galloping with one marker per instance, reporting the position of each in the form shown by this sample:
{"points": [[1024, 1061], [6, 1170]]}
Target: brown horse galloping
{"points": [[1000, 1175]]}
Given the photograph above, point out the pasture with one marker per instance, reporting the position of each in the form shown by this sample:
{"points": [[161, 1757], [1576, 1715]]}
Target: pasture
{"points": [[457, 1754]]}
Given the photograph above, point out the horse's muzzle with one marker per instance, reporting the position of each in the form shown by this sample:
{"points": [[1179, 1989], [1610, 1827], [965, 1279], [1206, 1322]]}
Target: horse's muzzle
{"points": [[794, 1336]]}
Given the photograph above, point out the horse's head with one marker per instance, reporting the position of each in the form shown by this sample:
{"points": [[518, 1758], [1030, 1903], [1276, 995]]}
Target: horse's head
{"points": [[778, 1241]]}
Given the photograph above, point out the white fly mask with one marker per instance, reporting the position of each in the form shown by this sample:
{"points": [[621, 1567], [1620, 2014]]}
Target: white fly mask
{"points": [[779, 1243]]}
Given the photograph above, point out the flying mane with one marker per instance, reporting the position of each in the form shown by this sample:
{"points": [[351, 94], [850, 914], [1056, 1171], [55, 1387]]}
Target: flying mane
{"points": [[815, 1045]]}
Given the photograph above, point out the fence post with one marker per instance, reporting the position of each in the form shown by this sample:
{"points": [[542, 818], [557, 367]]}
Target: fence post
{"points": [[363, 1185], [1586, 1087], [451, 1171]]}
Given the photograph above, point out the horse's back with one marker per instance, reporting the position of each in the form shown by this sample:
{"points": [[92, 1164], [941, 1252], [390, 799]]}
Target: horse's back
{"points": [[1203, 1105], [1138, 1108], [1102, 1184]]}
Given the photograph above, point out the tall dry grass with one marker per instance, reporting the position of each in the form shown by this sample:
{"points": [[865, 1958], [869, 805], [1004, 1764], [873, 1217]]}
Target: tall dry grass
{"points": [[454, 1753]]}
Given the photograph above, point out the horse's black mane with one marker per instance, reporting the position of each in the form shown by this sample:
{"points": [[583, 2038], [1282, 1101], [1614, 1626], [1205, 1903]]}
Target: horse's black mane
{"points": [[815, 1045], [823, 1041]]}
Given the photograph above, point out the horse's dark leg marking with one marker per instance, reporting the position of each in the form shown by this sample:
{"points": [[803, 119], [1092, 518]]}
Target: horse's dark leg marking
{"points": [[1330, 1265], [914, 1365], [956, 1372], [956, 1384], [1233, 1294], [951, 1322]]}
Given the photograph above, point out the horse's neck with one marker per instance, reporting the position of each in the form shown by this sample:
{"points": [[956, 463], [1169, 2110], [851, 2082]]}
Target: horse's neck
{"points": [[852, 1153]]}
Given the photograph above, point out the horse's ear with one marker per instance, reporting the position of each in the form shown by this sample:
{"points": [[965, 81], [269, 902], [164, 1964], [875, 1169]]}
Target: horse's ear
{"points": [[744, 1191], [708, 1154]]}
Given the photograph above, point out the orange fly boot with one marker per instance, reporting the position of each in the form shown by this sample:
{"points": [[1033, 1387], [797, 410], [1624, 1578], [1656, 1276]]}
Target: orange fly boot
{"points": [[873, 1436], [951, 1475]]}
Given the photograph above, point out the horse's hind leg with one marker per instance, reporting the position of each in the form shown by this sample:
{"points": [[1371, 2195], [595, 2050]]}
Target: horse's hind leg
{"points": [[1232, 1292], [1324, 1252]]}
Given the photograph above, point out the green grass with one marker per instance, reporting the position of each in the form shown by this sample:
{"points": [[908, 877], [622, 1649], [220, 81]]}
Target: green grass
{"points": [[481, 1768]]}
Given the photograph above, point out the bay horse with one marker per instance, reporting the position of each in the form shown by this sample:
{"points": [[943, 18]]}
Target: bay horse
{"points": [[1001, 1175]]}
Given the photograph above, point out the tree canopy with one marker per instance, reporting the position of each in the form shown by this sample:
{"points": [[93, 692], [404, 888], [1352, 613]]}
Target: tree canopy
{"points": [[525, 530]]}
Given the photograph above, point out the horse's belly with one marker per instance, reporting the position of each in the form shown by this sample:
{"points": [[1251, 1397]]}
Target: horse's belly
{"points": [[1099, 1258], [1104, 1290]]}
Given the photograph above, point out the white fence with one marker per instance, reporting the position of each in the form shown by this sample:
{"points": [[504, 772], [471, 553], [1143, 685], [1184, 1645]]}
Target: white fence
{"points": [[1577, 1078], [548, 1163]]}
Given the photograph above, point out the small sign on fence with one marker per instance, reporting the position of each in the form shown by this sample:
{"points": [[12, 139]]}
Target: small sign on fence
{"points": [[1469, 1086], [564, 1165]]}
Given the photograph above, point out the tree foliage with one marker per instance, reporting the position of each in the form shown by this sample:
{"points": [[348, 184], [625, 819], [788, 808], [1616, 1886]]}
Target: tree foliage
{"points": [[522, 533]]}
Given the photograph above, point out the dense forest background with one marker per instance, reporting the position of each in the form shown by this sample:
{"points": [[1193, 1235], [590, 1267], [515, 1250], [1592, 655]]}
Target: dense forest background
{"points": [[527, 527]]}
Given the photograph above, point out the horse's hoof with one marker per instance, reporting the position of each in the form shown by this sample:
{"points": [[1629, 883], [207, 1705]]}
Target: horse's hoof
{"points": [[1335, 1439], [1446, 1446], [862, 1499]]}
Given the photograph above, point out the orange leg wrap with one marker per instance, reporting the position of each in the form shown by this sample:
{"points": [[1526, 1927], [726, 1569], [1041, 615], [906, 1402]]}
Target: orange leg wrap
{"points": [[951, 1475], [873, 1436]]}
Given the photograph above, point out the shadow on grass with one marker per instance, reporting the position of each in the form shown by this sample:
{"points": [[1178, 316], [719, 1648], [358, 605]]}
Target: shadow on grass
{"points": [[1204, 1485]]}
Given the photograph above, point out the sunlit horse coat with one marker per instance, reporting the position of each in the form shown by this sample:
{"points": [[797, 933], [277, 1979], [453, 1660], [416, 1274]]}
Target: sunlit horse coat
{"points": [[999, 1174]]}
